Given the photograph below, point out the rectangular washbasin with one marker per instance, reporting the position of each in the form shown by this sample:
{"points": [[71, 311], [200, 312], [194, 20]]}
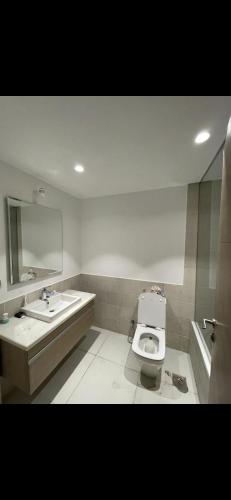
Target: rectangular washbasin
{"points": [[49, 311]]}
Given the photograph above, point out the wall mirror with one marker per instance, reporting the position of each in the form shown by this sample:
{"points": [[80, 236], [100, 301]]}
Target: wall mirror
{"points": [[35, 241]]}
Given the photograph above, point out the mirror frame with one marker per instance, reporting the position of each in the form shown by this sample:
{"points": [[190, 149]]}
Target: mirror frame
{"points": [[10, 278]]}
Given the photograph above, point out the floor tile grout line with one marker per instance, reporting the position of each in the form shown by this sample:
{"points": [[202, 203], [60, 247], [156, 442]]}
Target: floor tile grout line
{"points": [[137, 371], [134, 398], [81, 378], [85, 352], [97, 355], [102, 345], [132, 369], [116, 363], [98, 349], [94, 356], [122, 366], [104, 359], [66, 402], [100, 357]]}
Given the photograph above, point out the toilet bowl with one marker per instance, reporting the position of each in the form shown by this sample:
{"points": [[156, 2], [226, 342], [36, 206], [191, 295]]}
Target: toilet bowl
{"points": [[149, 340], [151, 360]]}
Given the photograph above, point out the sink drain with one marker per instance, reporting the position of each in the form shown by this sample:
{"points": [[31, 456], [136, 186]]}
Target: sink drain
{"points": [[52, 311]]}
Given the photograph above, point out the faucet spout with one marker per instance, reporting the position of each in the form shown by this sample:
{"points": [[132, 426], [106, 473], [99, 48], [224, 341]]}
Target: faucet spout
{"points": [[46, 294]]}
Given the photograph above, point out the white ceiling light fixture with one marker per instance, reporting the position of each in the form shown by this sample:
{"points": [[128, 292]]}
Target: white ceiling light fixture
{"points": [[202, 137], [79, 169]]}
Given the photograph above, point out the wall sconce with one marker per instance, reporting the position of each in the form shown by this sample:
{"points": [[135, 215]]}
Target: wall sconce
{"points": [[38, 194]]}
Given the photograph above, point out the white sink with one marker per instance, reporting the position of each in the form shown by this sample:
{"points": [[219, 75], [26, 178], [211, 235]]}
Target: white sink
{"points": [[57, 304]]}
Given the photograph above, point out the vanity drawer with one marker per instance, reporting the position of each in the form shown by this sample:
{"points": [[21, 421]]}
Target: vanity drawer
{"points": [[43, 363]]}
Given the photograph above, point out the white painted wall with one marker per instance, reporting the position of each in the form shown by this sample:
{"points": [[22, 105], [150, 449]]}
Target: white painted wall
{"points": [[138, 236], [19, 185]]}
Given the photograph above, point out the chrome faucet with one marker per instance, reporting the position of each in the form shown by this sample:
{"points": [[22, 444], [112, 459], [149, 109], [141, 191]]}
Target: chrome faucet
{"points": [[46, 294]]}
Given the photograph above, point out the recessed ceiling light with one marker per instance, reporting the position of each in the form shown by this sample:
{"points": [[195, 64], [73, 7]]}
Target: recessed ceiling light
{"points": [[202, 137], [79, 168]]}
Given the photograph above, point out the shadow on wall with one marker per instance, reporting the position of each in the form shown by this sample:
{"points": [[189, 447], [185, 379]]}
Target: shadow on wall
{"points": [[139, 235]]}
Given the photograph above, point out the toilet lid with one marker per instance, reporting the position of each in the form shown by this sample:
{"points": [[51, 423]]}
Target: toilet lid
{"points": [[152, 310]]}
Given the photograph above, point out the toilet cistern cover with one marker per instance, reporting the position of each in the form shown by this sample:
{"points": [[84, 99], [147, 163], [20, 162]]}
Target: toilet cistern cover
{"points": [[152, 310]]}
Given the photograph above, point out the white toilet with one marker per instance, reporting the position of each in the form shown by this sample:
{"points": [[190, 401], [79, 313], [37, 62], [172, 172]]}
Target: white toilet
{"points": [[149, 339]]}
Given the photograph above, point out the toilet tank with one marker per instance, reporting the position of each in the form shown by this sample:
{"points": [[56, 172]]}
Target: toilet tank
{"points": [[152, 310]]}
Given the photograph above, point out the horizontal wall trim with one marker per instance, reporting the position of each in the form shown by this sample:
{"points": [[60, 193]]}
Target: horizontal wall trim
{"points": [[131, 279], [39, 284]]}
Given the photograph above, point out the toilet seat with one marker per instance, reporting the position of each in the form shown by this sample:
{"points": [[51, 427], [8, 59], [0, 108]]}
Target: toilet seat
{"points": [[159, 334]]}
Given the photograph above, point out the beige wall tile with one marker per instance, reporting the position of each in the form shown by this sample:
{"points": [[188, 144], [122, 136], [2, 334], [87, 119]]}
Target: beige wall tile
{"points": [[184, 344], [175, 341], [33, 296], [13, 306], [117, 311], [173, 292], [117, 305], [106, 316]]}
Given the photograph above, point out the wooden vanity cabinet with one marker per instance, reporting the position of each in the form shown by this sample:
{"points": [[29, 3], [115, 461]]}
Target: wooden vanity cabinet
{"points": [[27, 370]]}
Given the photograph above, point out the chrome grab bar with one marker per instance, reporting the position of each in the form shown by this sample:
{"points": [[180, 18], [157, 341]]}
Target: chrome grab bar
{"points": [[212, 322]]}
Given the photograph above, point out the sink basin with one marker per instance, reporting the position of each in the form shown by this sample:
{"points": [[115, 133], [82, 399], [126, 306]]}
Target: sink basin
{"points": [[57, 304]]}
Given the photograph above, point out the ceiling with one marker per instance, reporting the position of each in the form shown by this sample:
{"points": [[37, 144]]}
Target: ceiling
{"points": [[126, 143]]}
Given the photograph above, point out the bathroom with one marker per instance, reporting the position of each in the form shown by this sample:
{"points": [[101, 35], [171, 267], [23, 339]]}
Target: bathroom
{"points": [[113, 219]]}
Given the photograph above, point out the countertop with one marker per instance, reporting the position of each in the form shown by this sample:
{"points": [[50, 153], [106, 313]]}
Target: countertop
{"points": [[27, 332]]}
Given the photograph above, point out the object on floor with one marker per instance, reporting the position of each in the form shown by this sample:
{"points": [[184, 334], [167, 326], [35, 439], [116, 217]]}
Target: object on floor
{"points": [[178, 381]]}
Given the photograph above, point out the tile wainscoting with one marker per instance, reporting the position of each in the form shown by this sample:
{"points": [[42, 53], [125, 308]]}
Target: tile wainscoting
{"points": [[13, 306], [116, 306]]}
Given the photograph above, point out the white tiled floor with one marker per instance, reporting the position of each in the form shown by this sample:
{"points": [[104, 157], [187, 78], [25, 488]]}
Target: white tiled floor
{"points": [[103, 370]]}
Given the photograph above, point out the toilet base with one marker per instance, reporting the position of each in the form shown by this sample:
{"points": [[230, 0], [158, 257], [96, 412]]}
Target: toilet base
{"points": [[150, 370], [150, 376]]}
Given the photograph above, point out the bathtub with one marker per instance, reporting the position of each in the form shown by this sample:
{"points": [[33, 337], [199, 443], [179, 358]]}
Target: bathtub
{"points": [[201, 362]]}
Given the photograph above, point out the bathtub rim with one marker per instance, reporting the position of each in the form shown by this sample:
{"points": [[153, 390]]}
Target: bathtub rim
{"points": [[206, 356]]}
